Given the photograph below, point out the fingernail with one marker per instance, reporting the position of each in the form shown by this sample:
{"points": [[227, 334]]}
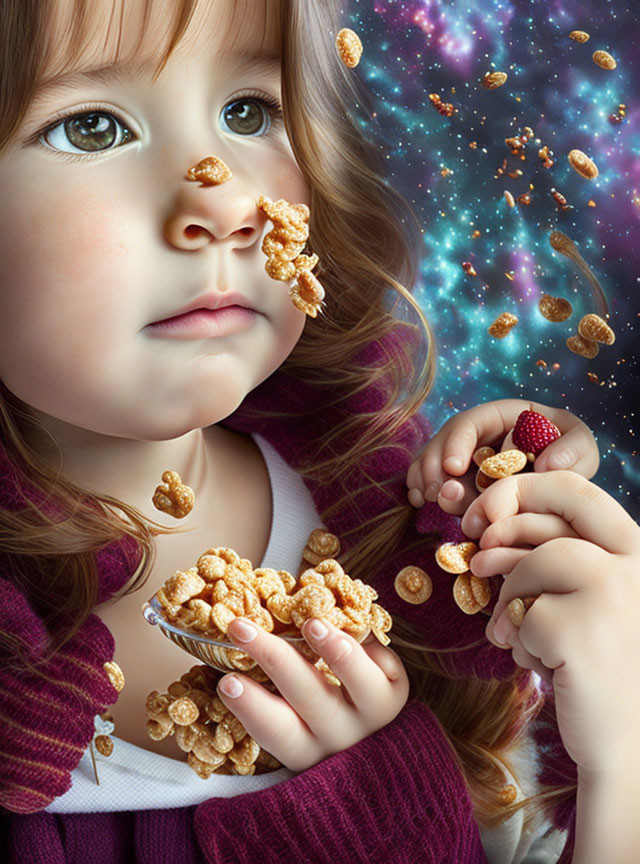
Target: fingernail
{"points": [[231, 686], [474, 524], [242, 631], [451, 491], [500, 631], [415, 497], [432, 491], [561, 459], [317, 629]]}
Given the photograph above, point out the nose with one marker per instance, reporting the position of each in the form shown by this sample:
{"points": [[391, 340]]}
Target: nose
{"points": [[205, 214]]}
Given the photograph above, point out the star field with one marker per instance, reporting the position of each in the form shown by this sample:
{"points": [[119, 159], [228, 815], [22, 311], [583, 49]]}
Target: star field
{"points": [[452, 169]]}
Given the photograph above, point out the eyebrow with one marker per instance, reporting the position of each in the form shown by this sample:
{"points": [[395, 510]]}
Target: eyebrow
{"points": [[263, 63]]}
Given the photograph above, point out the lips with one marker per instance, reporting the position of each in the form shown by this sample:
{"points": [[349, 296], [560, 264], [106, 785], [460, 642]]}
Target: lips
{"points": [[210, 301]]}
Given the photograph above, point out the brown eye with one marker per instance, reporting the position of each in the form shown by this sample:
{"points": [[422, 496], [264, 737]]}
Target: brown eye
{"points": [[92, 132], [246, 117]]}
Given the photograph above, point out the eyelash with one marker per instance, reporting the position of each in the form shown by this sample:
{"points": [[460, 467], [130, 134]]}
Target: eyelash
{"points": [[274, 109]]}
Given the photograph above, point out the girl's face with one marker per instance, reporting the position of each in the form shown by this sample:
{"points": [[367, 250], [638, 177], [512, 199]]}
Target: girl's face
{"points": [[101, 234]]}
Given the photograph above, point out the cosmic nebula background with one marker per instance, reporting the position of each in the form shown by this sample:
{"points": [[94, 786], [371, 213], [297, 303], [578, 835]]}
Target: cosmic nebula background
{"points": [[447, 167]]}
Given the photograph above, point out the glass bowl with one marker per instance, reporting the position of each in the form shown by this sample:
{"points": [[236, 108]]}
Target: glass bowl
{"points": [[222, 655]]}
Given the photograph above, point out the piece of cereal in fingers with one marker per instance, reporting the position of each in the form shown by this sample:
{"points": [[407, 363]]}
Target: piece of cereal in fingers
{"points": [[456, 557]]}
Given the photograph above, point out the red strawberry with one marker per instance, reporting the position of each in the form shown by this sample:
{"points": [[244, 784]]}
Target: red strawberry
{"points": [[533, 432]]}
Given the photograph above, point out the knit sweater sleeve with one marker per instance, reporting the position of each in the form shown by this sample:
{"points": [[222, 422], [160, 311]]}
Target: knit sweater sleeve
{"points": [[396, 796], [47, 704]]}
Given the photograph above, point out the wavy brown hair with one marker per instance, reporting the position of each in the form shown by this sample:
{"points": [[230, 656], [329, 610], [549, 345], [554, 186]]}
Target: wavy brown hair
{"points": [[369, 243]]}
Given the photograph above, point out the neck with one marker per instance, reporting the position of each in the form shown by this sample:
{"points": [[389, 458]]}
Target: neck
{"points": [[130, 470]]}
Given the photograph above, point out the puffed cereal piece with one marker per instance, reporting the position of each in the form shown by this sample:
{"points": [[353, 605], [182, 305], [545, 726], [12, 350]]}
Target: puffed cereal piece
{"points": [[322, 666], [205, 767], [466, 599], [413, 585], [245, 752], [183, 711], [579, 36], [210, 171], [492, 80], [604, 60], [555, 308], [289, 219], [173, 496], [211, 567], [481, 454], [268, 582], [483, 481], [504, 464], [596, 329], [508, 794], [104, 745], [455, 557], [114, 674], [196, 616], [157, 704], [281, 607], [160, 727], [381, 623], [312, 601], [518, 608], [320, 545], [280, 246], [307, 293], [182, 586], [585, 347], [305, 262], [349, 47], [581, 163], [503, 325], [185, 737]]}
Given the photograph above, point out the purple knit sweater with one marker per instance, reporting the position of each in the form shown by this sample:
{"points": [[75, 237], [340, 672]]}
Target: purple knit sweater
{"points": [[396, 796]]}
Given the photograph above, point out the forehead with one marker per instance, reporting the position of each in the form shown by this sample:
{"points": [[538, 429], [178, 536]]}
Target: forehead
{"points": [[94, 33]]}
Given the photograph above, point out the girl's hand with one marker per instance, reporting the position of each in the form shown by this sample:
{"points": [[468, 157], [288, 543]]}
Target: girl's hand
{"points": [[449, 452], [582, 632], [313, 719]]}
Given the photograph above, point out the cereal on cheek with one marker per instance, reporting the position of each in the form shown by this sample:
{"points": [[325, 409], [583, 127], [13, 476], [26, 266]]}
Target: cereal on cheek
{"points": [[284, 246]]}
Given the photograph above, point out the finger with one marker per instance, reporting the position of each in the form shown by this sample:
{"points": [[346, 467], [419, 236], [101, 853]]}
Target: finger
{"points": [[268, 719], [300, 684], [556, 567], [496, 562], [576, 449], [542, 634], [591, 513], [365, 682], [456, 495], [425, 474], [526, 528], [527, 661]]}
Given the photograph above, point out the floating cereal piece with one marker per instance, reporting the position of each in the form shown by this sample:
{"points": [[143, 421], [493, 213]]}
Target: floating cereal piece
{"points": [[503, 325], [471, 593], [349, 47], [115, 675], [565, 245], [468, 268], [455, 557], [561, 201], [444, 108], [320, 545], [173, 496], [596, 329], [579, 36], [210, 171], [492, 80], [604, 60], [413, 585], [584, 347], [504, 464], [555, 308], [581, 163], [508, 197]]}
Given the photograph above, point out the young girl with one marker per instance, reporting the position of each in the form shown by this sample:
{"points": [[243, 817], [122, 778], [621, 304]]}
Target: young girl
{"points": [[280, 424]]}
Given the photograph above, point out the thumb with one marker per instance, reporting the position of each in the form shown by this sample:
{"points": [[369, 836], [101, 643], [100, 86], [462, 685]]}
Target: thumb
{"points": [[575, 450]]}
